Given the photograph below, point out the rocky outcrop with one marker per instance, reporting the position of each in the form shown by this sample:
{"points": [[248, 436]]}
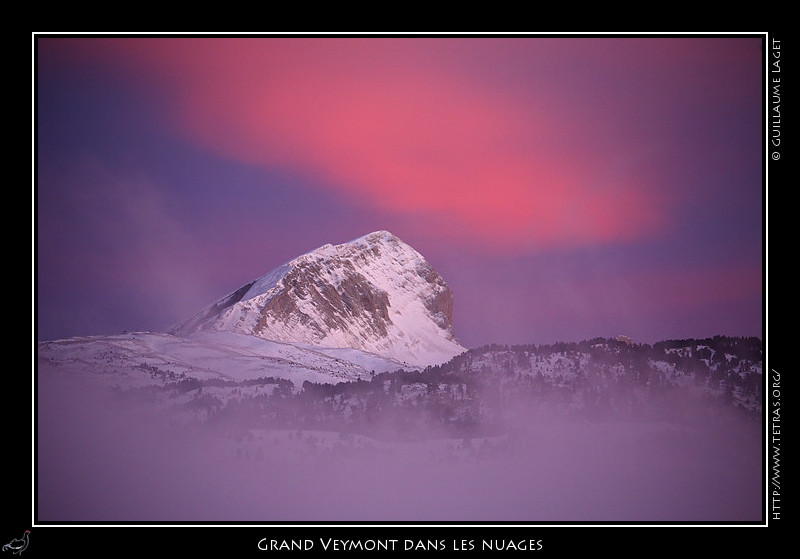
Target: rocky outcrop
{"points": [[374, 293]]}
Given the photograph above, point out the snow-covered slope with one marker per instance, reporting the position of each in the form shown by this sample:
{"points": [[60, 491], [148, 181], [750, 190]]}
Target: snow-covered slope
{"points": [[375, 294], [141, 359]]}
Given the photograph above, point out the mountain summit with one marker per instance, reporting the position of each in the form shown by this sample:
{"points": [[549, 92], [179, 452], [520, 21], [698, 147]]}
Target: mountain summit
{"points": [[374, 293]]}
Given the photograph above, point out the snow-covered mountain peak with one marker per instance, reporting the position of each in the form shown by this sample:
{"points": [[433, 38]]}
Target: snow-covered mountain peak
{"points": [[376, 237], [374, 242], [374, 293]]}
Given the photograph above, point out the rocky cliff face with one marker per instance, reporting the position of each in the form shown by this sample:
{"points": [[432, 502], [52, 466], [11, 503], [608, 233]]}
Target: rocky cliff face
{"points": [[374, 293]]}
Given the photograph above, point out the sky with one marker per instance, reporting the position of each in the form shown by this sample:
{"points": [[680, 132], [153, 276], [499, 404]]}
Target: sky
{"points": [[565, 187]]}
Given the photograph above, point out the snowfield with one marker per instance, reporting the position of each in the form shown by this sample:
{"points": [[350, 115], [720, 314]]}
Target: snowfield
{"points": [[141, 359]]}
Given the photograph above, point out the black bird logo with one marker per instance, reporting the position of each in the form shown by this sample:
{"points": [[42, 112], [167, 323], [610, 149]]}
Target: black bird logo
{"points": [[18, 545]]}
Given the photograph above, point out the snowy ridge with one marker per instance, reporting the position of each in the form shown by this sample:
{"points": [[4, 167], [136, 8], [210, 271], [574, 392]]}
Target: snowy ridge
{"points": [[374, 293], [141, 359]]}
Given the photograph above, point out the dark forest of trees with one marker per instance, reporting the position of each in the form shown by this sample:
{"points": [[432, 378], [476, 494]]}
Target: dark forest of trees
{"points": [[481, 391]]}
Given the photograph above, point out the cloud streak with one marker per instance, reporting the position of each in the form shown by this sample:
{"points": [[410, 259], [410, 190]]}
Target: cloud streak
{"points": [[401, 126]]}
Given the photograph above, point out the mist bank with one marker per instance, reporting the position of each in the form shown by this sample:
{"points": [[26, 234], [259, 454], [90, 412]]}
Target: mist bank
{"points": [[490, 437]]}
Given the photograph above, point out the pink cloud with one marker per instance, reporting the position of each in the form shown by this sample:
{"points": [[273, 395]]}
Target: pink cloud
{"points": [[396, 124]]}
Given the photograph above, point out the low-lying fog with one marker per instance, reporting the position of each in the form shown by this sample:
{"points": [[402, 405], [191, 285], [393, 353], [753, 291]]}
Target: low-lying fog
{"points": [[101, 460]]}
